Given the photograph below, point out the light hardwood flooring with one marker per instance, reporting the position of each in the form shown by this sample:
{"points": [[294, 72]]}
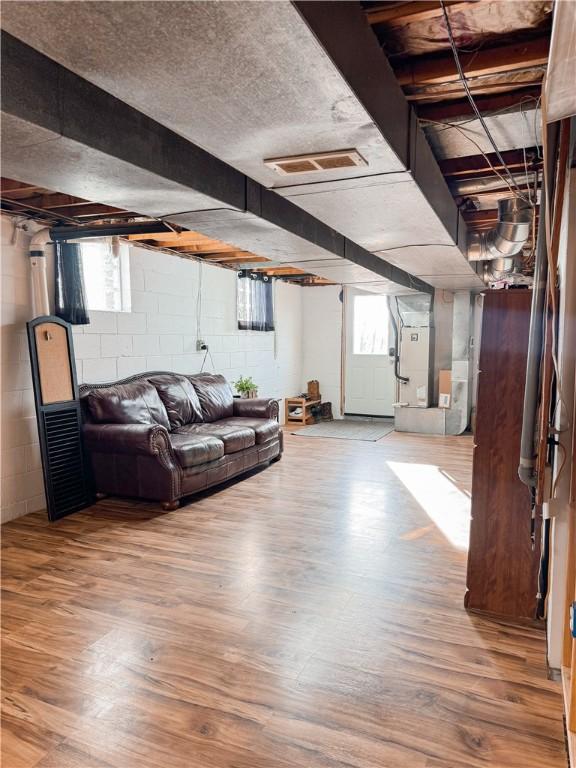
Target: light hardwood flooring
{"points": [[308, 616]]}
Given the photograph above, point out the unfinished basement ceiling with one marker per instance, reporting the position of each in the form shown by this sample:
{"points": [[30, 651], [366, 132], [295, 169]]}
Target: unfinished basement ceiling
{"points": [[244, 80], [258, 84], [88, 135], [410, 32], [464, 137], [56, 209]]}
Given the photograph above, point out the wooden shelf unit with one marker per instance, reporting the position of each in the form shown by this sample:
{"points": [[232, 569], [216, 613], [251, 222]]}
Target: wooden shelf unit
{"points": [[299, 402]]}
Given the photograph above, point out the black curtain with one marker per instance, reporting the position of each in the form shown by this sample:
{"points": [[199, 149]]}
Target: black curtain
{"points": [[70, 292], [255, 303]]}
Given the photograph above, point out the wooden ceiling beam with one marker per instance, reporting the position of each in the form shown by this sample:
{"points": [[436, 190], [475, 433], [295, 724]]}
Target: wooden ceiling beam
{"points": [[281, 271], [478, 90], [194, 243], [490, 61], [11, 185], [191, 242], [454, 109], [54, 200], [214, 246], [393, 14], [499, 192], [234, 257], [155, 235], [90, 209], [474, 166], [485, 219]]}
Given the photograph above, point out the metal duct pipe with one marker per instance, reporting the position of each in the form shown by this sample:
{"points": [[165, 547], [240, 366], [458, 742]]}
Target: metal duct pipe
{"points": [[498, 269], [507, 238], [527, 458], [37, 250]]}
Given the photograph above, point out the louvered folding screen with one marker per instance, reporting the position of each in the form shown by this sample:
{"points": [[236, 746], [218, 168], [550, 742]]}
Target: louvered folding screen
{"points": [[66, 480]]}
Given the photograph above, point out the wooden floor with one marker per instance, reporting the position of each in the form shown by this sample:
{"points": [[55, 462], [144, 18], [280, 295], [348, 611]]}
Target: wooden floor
{"points": [[309, 616]]}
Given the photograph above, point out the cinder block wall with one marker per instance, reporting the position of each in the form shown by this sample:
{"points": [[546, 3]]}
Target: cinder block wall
{"points": [[158, 334]]}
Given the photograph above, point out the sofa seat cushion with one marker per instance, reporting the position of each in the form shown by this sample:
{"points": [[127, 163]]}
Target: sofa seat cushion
{"points": [[193, 450], [264, 429], [137, 402], [215, 395], [235, 438], [179, 398]]}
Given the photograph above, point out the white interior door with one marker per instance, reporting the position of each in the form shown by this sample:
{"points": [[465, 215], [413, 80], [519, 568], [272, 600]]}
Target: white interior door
{"points": [[370, 385]]}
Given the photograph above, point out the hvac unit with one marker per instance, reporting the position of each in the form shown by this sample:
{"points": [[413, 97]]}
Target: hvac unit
{"points": [[415, 349]]}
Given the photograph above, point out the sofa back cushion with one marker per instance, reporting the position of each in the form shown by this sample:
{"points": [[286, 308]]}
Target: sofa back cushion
{"points": [[179, 398], [215, 395], [134, 403]]}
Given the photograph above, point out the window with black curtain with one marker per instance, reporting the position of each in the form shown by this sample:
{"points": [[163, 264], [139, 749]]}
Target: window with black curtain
{"points": [[70, 297], [255, 302]]}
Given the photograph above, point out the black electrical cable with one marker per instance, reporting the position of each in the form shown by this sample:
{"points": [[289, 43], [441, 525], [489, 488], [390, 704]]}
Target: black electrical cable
{"points": [[543, 571], [469, 94]]}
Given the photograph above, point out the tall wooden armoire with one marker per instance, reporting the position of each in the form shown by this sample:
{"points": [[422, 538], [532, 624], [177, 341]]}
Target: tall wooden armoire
{"points": [[502, 565]]}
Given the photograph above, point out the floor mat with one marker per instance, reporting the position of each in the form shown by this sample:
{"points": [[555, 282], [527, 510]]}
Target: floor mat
{"points": [[348, 429]]}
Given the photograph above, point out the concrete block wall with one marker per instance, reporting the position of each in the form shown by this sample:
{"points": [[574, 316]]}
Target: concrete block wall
{"points": [[21, 486], [175, 302], [159, 333]]}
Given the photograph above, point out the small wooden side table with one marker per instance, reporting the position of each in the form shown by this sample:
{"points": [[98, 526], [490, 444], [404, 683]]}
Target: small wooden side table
{"points": [[304, 416]]}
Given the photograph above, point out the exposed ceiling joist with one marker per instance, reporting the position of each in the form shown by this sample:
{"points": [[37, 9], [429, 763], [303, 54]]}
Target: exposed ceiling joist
{"points": [[475, 166], [490, 61], [210, 246], [52, 201], [486, 104], [477, 88], [91, 210], [234, 257], [404, 13], [16, 189], [502, 191], [482, 219], [278, 271]]}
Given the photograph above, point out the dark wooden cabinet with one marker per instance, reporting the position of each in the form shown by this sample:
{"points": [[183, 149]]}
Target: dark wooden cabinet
{"points": [[502, 565]]}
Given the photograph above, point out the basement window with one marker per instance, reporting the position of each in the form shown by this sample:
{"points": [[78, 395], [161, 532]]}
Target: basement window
{"points": [[255, 302], [106, 266], [371, 320]]}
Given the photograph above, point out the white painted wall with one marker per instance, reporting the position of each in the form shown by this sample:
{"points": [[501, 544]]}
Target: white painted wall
{"points": [[322, 341], [159, 334]]}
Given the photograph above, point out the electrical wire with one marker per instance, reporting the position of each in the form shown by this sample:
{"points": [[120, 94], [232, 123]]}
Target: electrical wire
{"points": [[199, 301], [536, 142], [524, 120], [505, 110], [469, 93], [207, 354], [464, 131]]}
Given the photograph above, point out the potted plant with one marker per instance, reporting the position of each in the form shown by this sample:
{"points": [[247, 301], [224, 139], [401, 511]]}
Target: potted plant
{"points": [[246, 387]]}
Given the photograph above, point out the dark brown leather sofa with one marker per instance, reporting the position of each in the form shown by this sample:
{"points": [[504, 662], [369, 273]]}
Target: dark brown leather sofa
{"points": [[163, 436]]}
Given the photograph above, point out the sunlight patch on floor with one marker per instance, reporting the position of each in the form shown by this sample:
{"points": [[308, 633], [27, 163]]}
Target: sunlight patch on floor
{"points": [[446, 505]]}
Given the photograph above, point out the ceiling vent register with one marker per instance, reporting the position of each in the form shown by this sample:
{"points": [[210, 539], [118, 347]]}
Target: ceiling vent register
{"points": [[317, 161]]}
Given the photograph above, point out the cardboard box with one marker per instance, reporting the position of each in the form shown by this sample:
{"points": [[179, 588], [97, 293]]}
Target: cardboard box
{"points": [[444, 389]]}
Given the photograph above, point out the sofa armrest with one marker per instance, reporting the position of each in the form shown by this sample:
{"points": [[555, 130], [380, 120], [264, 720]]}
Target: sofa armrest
{"points": [[256, 408], [131, 439]]}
